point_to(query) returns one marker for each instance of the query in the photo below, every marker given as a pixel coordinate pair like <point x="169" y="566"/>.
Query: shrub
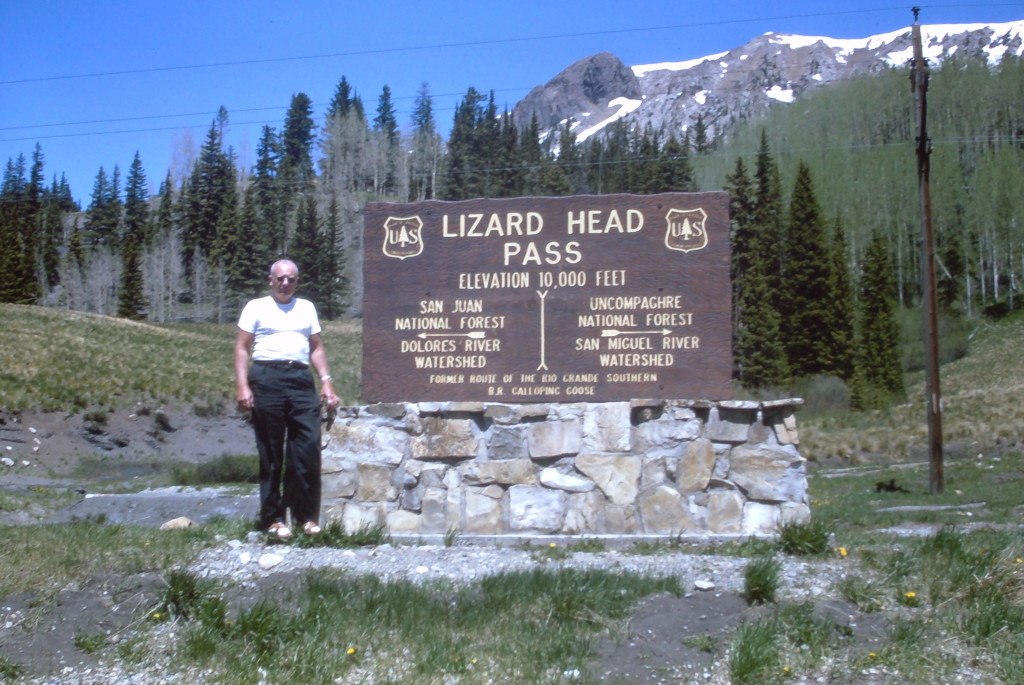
<point x="755" y="657"/>
<point x="224" y="469"/>
<point x="761" y="580"/>
<point x="822" y="394"/>
<point x="804" y="539"/>
<point x="188" y="597"/>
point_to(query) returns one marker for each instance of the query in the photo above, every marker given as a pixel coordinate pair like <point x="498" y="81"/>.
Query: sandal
<point x="280" y="531"/>
<point x="311" y="528"/>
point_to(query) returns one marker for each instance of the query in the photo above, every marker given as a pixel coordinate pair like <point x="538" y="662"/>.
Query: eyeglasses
<point x="286" y="279"/>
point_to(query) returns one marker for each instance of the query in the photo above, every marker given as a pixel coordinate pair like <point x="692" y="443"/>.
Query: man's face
<point x="283" y="281"/>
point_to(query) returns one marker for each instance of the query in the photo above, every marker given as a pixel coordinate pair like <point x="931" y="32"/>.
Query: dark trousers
<point x="286" y="418"/>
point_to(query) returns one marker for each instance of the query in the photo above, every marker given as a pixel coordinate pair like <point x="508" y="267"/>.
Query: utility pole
<point x="933" y="400"/>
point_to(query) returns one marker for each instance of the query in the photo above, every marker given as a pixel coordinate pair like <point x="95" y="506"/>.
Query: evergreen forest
<point x="824" y="203"/>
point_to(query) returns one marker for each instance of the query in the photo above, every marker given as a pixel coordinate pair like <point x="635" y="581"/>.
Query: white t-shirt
<point x="281" y="331"/>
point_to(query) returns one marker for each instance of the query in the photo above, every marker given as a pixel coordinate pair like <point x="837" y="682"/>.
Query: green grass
<point x="42" y="558"/>
<point x="980" y="404"/>
<point x="57" y="360"/>
<point x="761" y="580"/>
<point x="531" y="626"/>
<point x="228" y="469"/>
<point x="977" y="490"/>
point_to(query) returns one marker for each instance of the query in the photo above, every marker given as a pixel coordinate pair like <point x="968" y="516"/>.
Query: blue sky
<point x="94" y="82"/>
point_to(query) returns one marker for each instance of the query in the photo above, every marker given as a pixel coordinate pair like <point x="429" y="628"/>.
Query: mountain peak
<point x="742" y="83"/>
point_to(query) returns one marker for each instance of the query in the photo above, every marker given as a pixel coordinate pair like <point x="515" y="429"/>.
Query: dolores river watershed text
<point x="581" y="298"/>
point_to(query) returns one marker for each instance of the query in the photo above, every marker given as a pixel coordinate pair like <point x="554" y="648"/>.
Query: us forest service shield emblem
<point x="403" y="236"/>
<point x="686" y="231"/>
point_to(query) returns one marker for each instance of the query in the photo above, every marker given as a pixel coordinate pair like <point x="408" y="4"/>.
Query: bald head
<point x="276" y="267"/>
<point x="283" y="279"/>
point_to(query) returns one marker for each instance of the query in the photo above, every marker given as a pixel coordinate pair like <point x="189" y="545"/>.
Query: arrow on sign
<point x="476" y="335"/>
<point x="613" y="332"/>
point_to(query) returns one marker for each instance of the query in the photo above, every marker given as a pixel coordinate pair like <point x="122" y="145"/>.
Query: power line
<point x="146" y="117"/>
<point x="367" y="52"/>
<point x="440" y="46"/>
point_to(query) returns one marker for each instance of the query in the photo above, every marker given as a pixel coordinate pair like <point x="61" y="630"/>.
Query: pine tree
<point x="347" y="164"/>
<point x="531" y="156"/>
<point x="53" y="238"/>
<point x="307" y="250"/>
<point x="14" y="286"/>
<point x="76" y="250"/>
<point x="681" y="175"/>
<point x="385" y="122"/>
<point x="490" y="144"/>
<point x="700" y="135"/>
<point x="164" y="258"/>
<point x="842" y="310"/>
<point x="805" y="293"/>
<point x="768" y="216"/>
<point x="553" y="181"/>
<point x="741" y="241"/>
<point x="296" y="167"/>
<point x="570" y="160"/>
<point x="878" y="378"/>
<point x="163" y="222"/>
<point x="426" y="148"/>
<point x="335" y="291"/>
<point x="131" y="299"/>
<point x="268" y="202"/>
<point x="103" y="216"/>
<point x="511" y="173"/>
<point x="345" y="101"/>
<point x="247" y="277"/>
<point x="131" y="302"/>
<point x="210" y="200"/>
<point x="760" y="353"/>
<point x="136" y="201"/>
<point x="464" y="177"/>
<point x="33" y="223"/>
<point x="385" y="125"/>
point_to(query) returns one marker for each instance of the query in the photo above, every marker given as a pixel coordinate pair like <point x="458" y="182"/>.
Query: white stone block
<point x="554" y="439"/>
<point x="617" y="476"/>
<point x="553" y="478"/>
<point x="535" y="509"/>
<point x="606" y="427"/>
<point x="759" y="518"/>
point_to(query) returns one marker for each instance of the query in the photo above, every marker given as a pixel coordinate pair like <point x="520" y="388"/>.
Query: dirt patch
<point x="75" y="627"/>
<point x="126" y="449"/>
<point x="679" y="639"/>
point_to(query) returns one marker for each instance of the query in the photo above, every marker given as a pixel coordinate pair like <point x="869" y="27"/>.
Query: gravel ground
<point x="246" y="560"/>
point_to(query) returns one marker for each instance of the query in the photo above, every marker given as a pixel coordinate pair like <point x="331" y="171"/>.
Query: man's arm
<point x="318" y="358"/>
<point x="243" y="347"/>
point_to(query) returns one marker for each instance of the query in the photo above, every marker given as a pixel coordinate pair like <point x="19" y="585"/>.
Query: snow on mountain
<point x="741" y="83"/>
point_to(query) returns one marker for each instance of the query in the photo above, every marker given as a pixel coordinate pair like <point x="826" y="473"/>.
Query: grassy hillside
<point x="66" y="361"/>
<point x="980" y="404"/>
<point x="59" y="360"/>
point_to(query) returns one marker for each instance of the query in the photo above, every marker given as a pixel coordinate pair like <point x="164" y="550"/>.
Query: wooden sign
<point x="535" y="299"/>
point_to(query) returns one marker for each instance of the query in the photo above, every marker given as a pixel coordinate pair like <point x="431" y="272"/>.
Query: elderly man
<point x="281" y="333"/>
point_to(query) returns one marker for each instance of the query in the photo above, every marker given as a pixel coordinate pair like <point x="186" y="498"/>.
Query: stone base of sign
<point x="638" y="468"/>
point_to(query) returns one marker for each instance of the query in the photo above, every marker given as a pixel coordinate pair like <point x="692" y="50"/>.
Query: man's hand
<point x="244" y="399"/>
<point x="330" y="400"/>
